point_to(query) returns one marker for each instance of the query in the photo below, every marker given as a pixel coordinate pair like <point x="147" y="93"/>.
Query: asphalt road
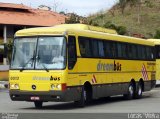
<point x="150" y="103"/>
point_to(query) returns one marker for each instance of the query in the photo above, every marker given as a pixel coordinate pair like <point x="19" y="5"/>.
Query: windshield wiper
<point x="45" y="67"/>
<point x="43" y="64"/>
<point x="31" y="59"/>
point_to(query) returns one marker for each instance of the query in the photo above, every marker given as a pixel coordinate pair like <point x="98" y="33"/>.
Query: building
<point x="14" y="17"/>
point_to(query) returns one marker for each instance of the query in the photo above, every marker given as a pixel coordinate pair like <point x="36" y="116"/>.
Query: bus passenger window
<point x="139" y="49"/>
<point x="94" y="47"/>
<point x="120" y="52"/>
<point x="82" y="48"/>
<point x="107" y="49"/>
<point x="85" y="47"/>
<point x="113" y="50"/>
<point x="101" y="48"/>
<point x="134" y="51"/>
<point x="157" y="51"/>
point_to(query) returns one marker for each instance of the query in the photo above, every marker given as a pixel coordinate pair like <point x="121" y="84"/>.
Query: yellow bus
<point x="157" y="52"/>
<point x="76" y="62"/>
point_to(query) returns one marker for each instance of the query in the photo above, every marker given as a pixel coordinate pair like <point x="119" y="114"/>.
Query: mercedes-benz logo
<point x="33" y="87"/>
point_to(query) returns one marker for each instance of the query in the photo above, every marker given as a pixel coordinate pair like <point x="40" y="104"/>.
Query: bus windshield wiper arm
<point x="45" y="67"/>
<point x="31" y="59"/>
<point x="43" y="64"/>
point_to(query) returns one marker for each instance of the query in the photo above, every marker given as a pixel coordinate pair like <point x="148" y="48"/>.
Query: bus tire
<point x="38" y="104"/>
<point x="82" y="101"/>
<point x="138" y="93"/>
<point x="131" y="92"/>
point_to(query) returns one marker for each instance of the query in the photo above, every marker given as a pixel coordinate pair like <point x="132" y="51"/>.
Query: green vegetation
<point x="157" y="35"/>
<point x="9" y="46"/>
<point x="120" y="29"/>
<point x="73" y="18"/>
<point x="131" y="17"/>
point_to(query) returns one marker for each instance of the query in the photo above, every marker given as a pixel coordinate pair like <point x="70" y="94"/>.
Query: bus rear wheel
<point x="38" y="104"/>
<point x="138" y="93"/>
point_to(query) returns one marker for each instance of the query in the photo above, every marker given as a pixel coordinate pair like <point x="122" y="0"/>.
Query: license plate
<point x="35" y="98"/>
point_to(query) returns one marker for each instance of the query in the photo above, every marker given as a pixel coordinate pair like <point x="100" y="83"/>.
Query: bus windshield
<point x="39" y="53"/>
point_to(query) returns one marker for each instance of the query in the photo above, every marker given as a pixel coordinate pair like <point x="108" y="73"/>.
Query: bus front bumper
<point x="59" y="96"/>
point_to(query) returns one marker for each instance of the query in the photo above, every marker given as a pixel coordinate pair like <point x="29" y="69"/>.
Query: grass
<point x="149" y="19"/>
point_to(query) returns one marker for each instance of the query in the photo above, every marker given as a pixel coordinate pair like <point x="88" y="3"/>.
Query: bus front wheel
<point x="83" y="99"/>
<point x="38" y="104"/>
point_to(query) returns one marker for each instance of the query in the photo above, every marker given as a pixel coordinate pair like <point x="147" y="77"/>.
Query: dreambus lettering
<point x="109" y="67"/>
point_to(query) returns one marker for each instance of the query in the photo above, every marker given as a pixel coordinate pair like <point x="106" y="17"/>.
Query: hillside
<point x="148" y="12"/>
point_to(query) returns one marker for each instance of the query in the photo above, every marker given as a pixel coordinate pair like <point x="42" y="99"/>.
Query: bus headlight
<point x="14" y="86"/>
<point x="55" y="86"/>
<point x="58" y="86"/>
<point x="52" y="86"/>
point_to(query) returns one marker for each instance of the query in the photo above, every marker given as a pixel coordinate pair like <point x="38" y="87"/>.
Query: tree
<point x="132" y="2"/>
<point x="95" y="24"/>
<point x="101" y="15"/>
<point x="138" y="4"/>
<point x="110" y="25"/>
<point x="84" y="20"/>
<point x="157" y="34"/>
<point x="122" y="4"/>
<point x="73" y="18"/>
<point x="120" y="29"/>
<point x="90" y="22"/>
<point x="8" y="50"/>
<point x="55" y="5"/>
<point x="112" y="10"/>
<point x="148" y="3"/>
<point x="62" y="12"/>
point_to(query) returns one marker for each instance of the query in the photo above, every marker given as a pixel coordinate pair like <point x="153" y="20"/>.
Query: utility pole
<point x="5" y="42"/>
<point x="55" y="5"/>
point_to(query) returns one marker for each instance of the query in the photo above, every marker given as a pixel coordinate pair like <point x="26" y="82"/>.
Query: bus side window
<point x="85" y="47"/>
<point x="72" y="52"/>
<point x="157" y="52"/>
<point x="101" y="48"/>
<point x="134" y="51"/>
<point x="153" y="53"/>
<point x="114" y="49"/>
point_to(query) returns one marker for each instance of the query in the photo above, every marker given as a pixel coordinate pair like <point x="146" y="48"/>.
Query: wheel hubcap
<point x="131" y="90"/>
<point x="140" y="90"/>
<point x="84" y="93"/>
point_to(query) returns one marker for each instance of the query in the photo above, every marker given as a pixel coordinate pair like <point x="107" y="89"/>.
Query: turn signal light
<point x="64" y="86"/>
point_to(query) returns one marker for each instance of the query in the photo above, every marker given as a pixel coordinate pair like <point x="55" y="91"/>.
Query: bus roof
<point x="155" y="41"/>
<point x="61" y="29"/>
<point x="82" y="30"/>
<point x="86" y="27"/>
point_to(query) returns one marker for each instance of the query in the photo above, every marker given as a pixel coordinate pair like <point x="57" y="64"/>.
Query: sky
<point x="81" y="7"/>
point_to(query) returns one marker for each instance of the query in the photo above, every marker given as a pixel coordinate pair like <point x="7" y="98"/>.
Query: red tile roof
<point x="11" y="5"/>
<point x="18" y="14"/>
